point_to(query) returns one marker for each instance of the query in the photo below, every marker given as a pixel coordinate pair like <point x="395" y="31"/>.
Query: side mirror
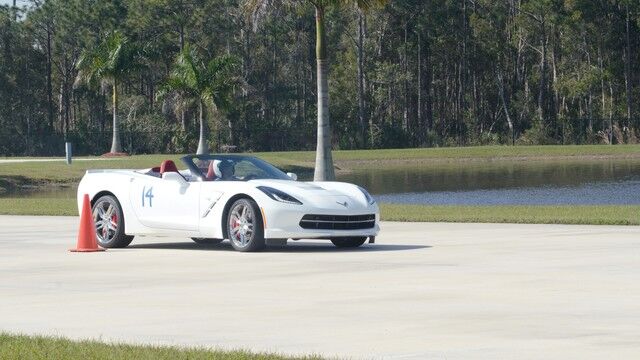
<point x="293" y="176"/>
<point x="174" y="176"/>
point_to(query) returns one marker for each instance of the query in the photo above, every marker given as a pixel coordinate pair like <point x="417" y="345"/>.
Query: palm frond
<point x="113" y="58"/>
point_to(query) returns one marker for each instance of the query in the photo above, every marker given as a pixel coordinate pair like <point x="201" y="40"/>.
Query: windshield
<point x="232" y="168"/>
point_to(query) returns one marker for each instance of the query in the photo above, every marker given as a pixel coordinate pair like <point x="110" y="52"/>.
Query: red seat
<point x="211" y="174"/>
<point x="168" y="166"/>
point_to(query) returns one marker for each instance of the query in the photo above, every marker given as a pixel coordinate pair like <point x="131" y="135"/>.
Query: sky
<point x="19" y="3"/>
<point x="10" y="2"/>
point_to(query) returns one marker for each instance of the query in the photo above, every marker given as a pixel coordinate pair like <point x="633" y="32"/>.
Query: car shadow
<point x="290" y="247"/>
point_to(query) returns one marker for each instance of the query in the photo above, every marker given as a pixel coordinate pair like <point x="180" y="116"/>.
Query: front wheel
<point x="349" y="242"/>
<point x="244" y="226"/>
<point x="109" y="220"/>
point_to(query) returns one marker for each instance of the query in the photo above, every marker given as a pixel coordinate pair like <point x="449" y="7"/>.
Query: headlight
<point x="370" y="199"/>
<point x="278" y="195"/>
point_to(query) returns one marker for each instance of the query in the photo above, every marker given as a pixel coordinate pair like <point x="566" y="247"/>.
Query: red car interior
<point x="168" y="166"/>
<point x="211" y="174"/>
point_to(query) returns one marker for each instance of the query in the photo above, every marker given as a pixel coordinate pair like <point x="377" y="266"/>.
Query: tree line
<point x="411" y="73"/>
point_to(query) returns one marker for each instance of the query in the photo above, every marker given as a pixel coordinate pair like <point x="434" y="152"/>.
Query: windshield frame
<point x="276" y="173"/>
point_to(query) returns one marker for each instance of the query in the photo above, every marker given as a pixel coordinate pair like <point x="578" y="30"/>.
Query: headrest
<point x="216" y="168"/>
<point x="218" y="165"/>
<point x="168" y="166"/>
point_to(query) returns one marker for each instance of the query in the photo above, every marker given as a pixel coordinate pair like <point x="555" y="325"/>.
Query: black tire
<point x="349" y="242"/>
<point x="100" y="211"/>
<point x="250" y="238"/>
<point x="205" y="241"/>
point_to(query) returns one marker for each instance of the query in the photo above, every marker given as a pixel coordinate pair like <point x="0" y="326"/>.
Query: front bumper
<point x="285" y="224"/>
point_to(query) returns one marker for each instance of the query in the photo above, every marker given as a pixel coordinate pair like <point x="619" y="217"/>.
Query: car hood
<point x="325" y="195"/>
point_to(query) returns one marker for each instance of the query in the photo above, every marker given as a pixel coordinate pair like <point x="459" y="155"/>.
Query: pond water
<point x="591" y="182"/>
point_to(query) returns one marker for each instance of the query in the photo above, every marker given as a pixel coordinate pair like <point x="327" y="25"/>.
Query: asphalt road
<point x="425" y="291"/>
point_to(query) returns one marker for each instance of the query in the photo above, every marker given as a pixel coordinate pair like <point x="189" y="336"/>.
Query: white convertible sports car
<point x="240" y="198"/>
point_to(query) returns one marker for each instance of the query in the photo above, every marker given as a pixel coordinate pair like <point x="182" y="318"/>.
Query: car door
<point x="166" y="203"/>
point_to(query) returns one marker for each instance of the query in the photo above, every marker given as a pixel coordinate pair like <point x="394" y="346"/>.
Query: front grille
<point x="338" y="222"/>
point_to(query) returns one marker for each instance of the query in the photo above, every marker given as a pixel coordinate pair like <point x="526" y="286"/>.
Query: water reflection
<point x="621" y="193"/>
<point x="492" y="183"/>
<point x="492" y="175"/>
<point x="49" y="192"/>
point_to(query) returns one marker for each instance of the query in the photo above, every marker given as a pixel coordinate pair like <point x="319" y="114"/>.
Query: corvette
<point x="217" y="197"/>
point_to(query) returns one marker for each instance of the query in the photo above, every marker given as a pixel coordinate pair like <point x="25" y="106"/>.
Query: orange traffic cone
<point x="87" y="239"/>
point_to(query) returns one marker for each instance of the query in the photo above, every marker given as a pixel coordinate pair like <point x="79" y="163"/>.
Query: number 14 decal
<point x="147" y="194"/>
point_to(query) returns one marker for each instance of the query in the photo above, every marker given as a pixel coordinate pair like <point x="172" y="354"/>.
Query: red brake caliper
<point x="235" y="226"/>
<point x="114" y="221"/>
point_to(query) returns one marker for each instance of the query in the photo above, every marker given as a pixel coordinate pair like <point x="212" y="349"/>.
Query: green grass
<point x="569" y="214"/>
<point x="38" y="206"/>
<point x="37" y="347"/>
<point x="566" y="214"/>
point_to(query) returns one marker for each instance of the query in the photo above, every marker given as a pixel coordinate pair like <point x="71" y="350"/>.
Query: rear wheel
<point x="205" y="241"/>
<point x="109" y="220"/>
<point x="349" y="242"/>
<point x="244" y="226"/>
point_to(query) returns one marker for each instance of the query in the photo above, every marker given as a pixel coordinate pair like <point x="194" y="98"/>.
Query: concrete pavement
<point x="424" y="291"/>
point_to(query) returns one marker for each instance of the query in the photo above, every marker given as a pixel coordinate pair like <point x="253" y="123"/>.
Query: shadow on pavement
<point x="290" y="247"/>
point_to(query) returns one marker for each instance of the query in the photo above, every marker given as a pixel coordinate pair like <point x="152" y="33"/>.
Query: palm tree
<point x="108" y="64"/>
<point x="324" y="161"/>
<point x="203" y="84"/>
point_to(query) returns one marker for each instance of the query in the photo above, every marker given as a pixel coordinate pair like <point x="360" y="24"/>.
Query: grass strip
<point x="38" y="206"/>
<point x="39" y="347"/>
<point x="524" y="214"/>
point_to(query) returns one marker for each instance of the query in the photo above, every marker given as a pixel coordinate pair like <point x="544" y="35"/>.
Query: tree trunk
<point x="428" y="84"/>
<point x="324" y="162"/>
<point x="361" y="110"/>
<point x="203" y="147"/>
<point x="246" y="61"/>
<point x="63" y="128"/>
<point x="181" y="32"/>
<point x="405" y="70"/>
<point x="610" y="113"/>
<point x="542" y="91"/>
<point x="232" y="132"/>
<point x="49" y="81"/>
<point x="601" y="67"/>
<point x="298" y="77"/>
<point x="505" y="107"/>
<point x="462" y="107"/>
<point x="419" y="107"/>
<point x="627" y="69"/>
<point x="115" y="142"/>
<point x="589" y="92"/>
